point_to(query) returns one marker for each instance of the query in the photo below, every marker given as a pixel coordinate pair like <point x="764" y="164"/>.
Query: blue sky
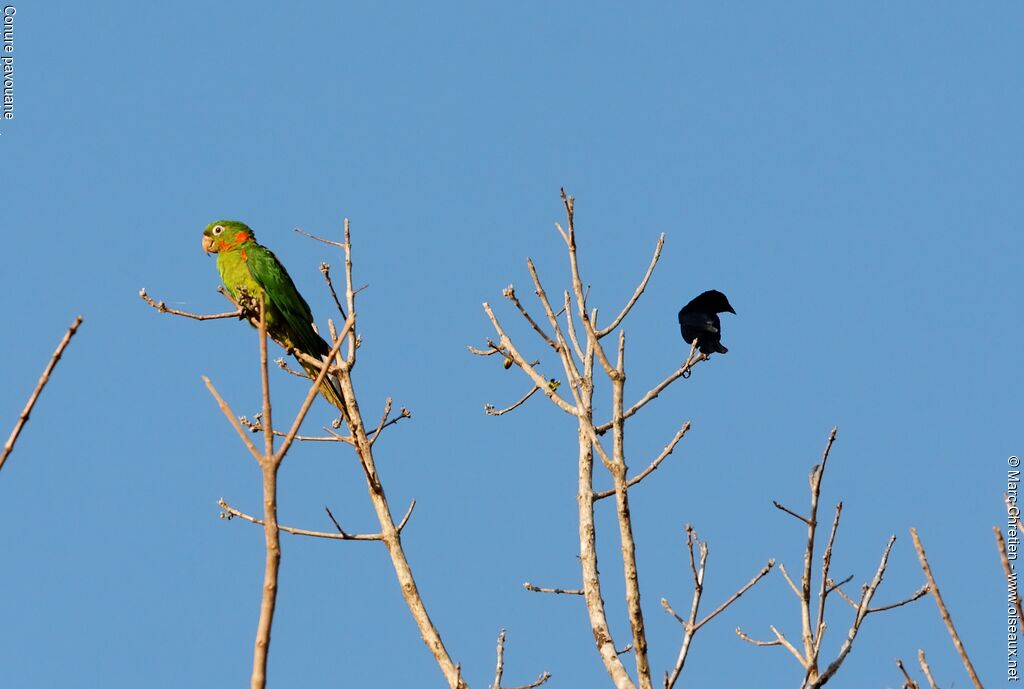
<point x="849" y="174"/>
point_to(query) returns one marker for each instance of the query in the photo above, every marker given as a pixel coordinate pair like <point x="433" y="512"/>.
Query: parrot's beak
<point x="207" y="244"/>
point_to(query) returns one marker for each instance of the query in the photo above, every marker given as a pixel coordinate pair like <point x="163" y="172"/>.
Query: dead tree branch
<point x="691" y="625"/>
<point x="943" y="611"/>
<point x="812" y="632"/>
<point x="909" y="682"/>
<point x="926" y="669"/>
<point x="43" y="380"/>
<point x="163" y="308"/>
<point x="539" y="589"/>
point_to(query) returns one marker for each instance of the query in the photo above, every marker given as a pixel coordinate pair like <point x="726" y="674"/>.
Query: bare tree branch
<point x="863" y="610"/>
<point x="732" y="599"/>
<point x="790" y="512"/>
<point x="520" y="361"/>
<point x="653" y="393"/>
<point x="230" y="512"/>
<point x="909" y="683"/>
<point x="926" y="670"/>
<point x="257" y="427"/>
<point x="812" y="634"/>
<point x="789" y="580"/>
<point x="740" y="633"/>
<point x="691" y="625"/>
<point x="163" y="308"/>
<point x="538" y="589"/>
<point x="325" y="268"/>
<point x="43" y="380"/>
<point x="650" y="467"/>
<point x="639" y="290"/>
<point x="233" y="420"/>
<point x="920" y="593"/>
<point x="788" y="646"/>
<point x="500" y="668"/>
<point x="490" y="410"/>
<point x="510" y="294"/>
<point x="1004" y="558"/>
<point x="339" y="245"/>
<point x="826" y="562"/>
<point x="943" y="611"/>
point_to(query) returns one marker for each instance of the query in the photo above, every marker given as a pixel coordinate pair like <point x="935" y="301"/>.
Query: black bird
<point x="699" y="320"/>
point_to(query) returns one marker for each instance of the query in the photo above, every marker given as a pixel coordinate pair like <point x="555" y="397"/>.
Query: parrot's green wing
<point x="284" y="298"/>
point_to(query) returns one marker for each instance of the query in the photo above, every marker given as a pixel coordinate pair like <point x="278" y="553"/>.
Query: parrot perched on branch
<point x="248" y="268"/>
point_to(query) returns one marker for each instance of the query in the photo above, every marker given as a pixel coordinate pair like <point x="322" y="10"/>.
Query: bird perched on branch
<point x="699" y="321"/>
<point x="249" y="270"/>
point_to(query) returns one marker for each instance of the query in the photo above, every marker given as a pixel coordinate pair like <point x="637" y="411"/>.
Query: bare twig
<point x="544" y="677"/>
<point x="863" y="610"/>
<point x="650" y="467"/>
<point x="691" y="625"/>
<point x="43" y="380"/>
<point x="539" y="589"/>
<point x="405" y="519"/>
<point x="490" y="409"/>
<point x="788" y="646"/>
<point x="790" y="512"/>
<point x="510" y="294"/>
<point x="325" y="268"/>
<point x="283" y="365"/>
<point x="909" y="683"/>
<point x="789" y="580"/>
<point x="233" y="420"/>
<point x="812" y="634"/>
<point x="163" y="308"/>
<point x="826" y="562"/>
<point x="639" y="289"/>
<point x="655" y="391"/>
<point x="383" y="421"/>
<point x="834" y="585"/>
<point x="740" y="633"/>
<point x="257" y="427"/>
<point x="499" y="667"/>
<point x="1004" y="558"/>
<point x="732" y="599"/>
<point x="925" y="669"/>
<point x="943" y="611"/>
<point x="920" y="593"/>
<point x="537" y="378"/>
<point x="320" y="239"/>
<point x="230" y="512"/>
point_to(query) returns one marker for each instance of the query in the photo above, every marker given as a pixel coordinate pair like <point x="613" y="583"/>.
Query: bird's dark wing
<point x="699" y="322"/>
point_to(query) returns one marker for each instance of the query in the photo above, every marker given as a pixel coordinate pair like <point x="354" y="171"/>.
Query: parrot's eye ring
<point x="218" y="229"/>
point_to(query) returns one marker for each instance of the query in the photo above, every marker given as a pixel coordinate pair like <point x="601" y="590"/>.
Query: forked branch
<point x="813" y="633"/>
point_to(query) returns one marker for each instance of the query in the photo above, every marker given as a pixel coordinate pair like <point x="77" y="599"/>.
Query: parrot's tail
<point x="330" y="388"/>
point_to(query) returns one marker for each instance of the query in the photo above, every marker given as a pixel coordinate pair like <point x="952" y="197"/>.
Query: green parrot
<point x="245" y="265"/>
